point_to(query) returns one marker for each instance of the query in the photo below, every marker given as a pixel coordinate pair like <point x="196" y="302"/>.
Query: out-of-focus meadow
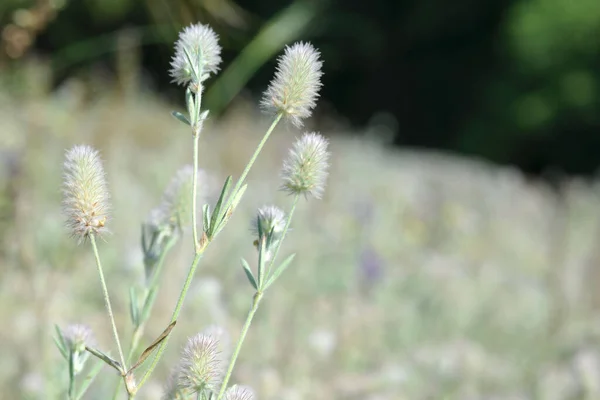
<point x="419" y="275"/>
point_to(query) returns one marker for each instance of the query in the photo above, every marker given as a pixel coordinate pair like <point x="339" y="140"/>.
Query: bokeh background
<point x="455" y="254"/>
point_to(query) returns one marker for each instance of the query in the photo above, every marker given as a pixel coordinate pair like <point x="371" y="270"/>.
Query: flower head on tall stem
<point x="197" y="54"/>
<point x="85" y="192"/>
<point x="295" y="89"/>
<point x="305" y="169"/>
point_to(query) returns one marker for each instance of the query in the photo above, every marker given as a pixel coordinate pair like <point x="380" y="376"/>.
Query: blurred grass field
<point x="418" y="276"/>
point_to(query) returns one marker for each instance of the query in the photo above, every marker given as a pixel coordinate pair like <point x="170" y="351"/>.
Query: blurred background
<point x="455" y="254"/>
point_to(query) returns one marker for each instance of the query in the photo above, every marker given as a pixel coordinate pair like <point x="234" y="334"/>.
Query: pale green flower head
<point x="201" y="367"/>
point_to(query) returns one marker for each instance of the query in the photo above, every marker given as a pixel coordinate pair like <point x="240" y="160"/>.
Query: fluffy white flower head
<point x="197" y="54"/>
<point x="295" y="89"/>
<point x="305" y="169"/>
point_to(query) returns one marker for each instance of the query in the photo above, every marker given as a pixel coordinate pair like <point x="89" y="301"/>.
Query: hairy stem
<point x="238" y="347"/>
<point x="107" y="301"/>
<point x="195" y="192"/>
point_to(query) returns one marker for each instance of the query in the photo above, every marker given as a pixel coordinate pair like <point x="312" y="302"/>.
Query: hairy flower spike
<point x="237" y="392"/>
<point x="85" y="193"/>
<point x="305" y="169"/>
<point x="294" y="90"/>
<point x="202" y="45"/>
<point x="201" y="366"/>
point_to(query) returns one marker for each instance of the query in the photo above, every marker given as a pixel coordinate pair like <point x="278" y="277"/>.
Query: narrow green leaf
<point x="61" y="343"/>
<point x="190" y="101"/>
<point x="282" y="267"/>
<point x="248" y="272"/>
<point x="105" y="357"/>
<point x="192" y="63"/>
<point x="203" y="115"/>
<point x="219" y="204"/>
<point x="237" y="197"/>
<point x="89" y="379"/>
<point x="261" y="262"/>
<point x="206" y="218"/>
<point x="181" y="117"/>
<point x="148" y="304"/>
<point x="133" y="307"/>
<point x="153" y="346"/>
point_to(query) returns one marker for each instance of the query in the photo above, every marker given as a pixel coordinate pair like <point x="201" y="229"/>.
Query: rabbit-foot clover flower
<point x="295" y="89"/>
<point x="85" y="192"/>
<point x="76" y="337"/>
<point x="237" y="392"/>
<point x="203" y="56"/>
<point x="201" y="367"/>
<point x="305" y="169"/>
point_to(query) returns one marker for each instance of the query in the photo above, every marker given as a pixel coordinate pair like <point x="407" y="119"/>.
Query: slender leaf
<point x="261" y="262"/>
<point x="153" y="346"/>
<point x="219" y="204"/>
<point x="134" y="312"/>
<point x="190" y="101"/>
<point x="248" y="272"/>
<point x="61" y="343"/>
<point x="206" y="217"/>
<point x="148" y="304"/>
<point x="237" y="197"/>
<point x="282" y="267"/>
<point x="181" y="117"/>
<point x="106" y="358"/>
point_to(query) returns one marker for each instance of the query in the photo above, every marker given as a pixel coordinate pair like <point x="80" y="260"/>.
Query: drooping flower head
<point x="197" y="55"/>
<point x="85" y="193"/>
<point x="295" y="89"/>
<point x="305" y="169"/>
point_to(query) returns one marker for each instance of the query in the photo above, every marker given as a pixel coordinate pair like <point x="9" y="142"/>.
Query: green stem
<point x="195" y="192"/>
<point x="71" y="376"/>
<point x="107" y="301"/>
<point x="257" y="298"/>
<point x="240" y="181"/>
<point x="285" y="230"/>
<point x="176" y="312"/>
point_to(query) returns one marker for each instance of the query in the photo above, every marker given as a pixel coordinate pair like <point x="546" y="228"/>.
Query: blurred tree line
<point x="514" y="81"/>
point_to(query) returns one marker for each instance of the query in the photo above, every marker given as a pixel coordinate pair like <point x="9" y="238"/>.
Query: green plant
<point x="292" y="95"/>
